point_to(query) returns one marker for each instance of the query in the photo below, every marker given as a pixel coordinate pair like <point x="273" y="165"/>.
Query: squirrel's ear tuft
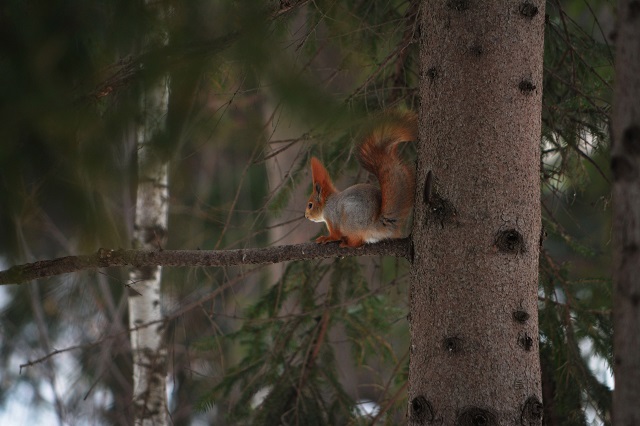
<point x="321" y="181"/>
<point x="318" y="172"/>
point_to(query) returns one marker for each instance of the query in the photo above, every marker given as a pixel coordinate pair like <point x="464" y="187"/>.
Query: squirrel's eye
<point x="310" y="206"/>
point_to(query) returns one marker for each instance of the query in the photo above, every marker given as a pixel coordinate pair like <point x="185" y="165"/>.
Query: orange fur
<point x="379" y="155"/>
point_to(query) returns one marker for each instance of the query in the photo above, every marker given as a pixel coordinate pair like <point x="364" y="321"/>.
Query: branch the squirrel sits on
<point x="364" y="213"/>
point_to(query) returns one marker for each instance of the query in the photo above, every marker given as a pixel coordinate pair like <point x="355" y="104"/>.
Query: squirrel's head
<point x="321" y="189"/>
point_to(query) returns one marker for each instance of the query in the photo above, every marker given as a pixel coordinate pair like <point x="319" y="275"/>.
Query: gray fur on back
<point x="355" y="204"/>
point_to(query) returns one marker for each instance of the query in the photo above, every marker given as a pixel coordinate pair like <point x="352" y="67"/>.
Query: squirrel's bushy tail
<point x="378" y="154"/>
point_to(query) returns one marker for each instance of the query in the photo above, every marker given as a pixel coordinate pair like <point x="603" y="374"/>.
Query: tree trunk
<point x="149" y="232"/>
<point x="473" y="297"/>
<point x="147" y="341"/>
<point x="625" y="165"/>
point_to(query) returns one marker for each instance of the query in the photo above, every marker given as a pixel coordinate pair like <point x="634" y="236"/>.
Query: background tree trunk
<point x="625" y="165"/>
<point x="473" y="296"/>
<point x="147" y="341"/>
<point x="148" y="344"/>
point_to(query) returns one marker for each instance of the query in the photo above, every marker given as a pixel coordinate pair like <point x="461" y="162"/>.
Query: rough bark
<point x="473" y="297"/>
<point x="625" y="165"/>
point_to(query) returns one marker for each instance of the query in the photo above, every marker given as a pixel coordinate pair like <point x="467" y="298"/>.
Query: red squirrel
<point x="364" y="213"/>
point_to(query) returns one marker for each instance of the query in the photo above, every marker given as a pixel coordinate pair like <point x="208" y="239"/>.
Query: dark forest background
<point x="256" y="89"/>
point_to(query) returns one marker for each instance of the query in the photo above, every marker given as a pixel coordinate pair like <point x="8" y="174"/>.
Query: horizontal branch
<point x="106" y="258"/>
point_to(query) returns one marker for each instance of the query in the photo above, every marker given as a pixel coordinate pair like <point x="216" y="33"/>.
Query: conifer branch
<point x="107" y="258"/>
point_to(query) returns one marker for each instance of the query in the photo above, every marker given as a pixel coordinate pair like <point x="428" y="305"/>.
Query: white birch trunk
<point x="147" y="341"/>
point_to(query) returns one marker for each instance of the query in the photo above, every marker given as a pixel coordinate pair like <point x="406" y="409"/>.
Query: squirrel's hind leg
<point x="327" y="239"/>
<point x="352" y="241"/>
